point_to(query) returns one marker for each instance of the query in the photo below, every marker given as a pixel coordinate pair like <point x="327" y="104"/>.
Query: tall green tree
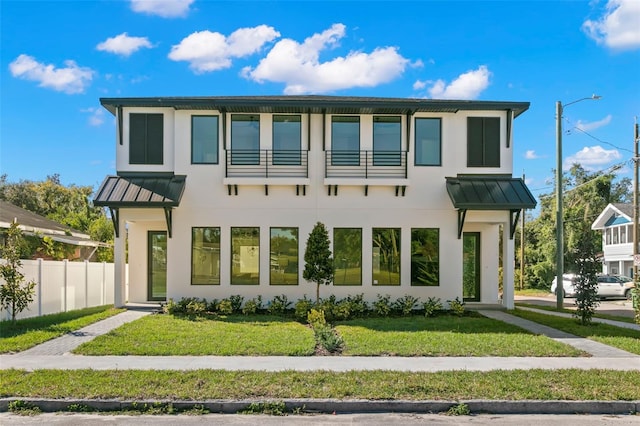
<point x="15" y="293"/>
<point x="318" y="266"/>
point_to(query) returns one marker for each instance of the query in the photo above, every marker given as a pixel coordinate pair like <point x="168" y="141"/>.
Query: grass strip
<point x="29" y="332"/>
<point x="572" y="311"/>
<point x="534" y="292"/>
<point x="569" y="384"/>
<point x="232" y="335"/>
<point x="621" y="338"/>
<point x="471" y="335"/>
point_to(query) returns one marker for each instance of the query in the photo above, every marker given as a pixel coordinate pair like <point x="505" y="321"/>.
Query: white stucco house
<point x="616" y="224"/>
<point x="216" y="196"/>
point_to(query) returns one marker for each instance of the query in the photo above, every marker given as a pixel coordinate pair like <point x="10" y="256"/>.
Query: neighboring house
<point x="616" y="224"/>
<point x="39" y="226"/>
<point x="216" y="196"/>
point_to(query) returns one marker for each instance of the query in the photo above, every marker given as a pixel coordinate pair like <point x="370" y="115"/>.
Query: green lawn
<point x="29" y="332"/>
<point x="232" y="335"/>
<point x="537" y="292"/>
<point x="215" y="384"/>
<point x="445" y="336"/>
<point x="622" y="338"/>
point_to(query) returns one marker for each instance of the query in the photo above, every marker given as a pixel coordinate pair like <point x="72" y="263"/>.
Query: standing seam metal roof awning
<point x="141" y="191"/>
<point x="489" y="193"/>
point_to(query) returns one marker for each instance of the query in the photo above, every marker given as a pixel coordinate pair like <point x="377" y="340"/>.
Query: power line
<point x="575" y="126"/>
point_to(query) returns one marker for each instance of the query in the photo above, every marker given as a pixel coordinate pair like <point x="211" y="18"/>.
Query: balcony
<point x="266" y="164"/>
<point x="366" y="164"/>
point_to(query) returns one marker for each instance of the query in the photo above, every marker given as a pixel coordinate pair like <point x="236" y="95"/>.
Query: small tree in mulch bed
<point x="318" y="266"/>
<point x="15" y="294"/>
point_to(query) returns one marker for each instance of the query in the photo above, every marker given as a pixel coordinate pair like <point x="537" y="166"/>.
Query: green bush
<point x="358" y="307"/>
<point x="225" y="307"/>
<point x="329" y="306"/>
<point x="191" y="306"/>
<point x="302" y="308"/>
<point x="212" y="307"/>
<point x="431" y="306"/>
<point x="405" y="305"/>
<point x="316" y="318"/>
<point x="279" y="305"/>
<point x="236" y="303"/>
<point x="382" y="306"/>
<point x="456" y="307"/>
<point x="328" y="338"/>
<point x="252" y="306"/>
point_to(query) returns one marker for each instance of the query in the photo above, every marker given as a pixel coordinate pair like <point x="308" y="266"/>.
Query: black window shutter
<point x="155" y="132"/>
<point x="475" y="154"/>
<point x="137" y="138"/>
<point x="492" y="142"/>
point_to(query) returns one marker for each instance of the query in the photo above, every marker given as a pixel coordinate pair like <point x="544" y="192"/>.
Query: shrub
<point x="341" y="310"/>
<point x="225" y="307"/>
<point x="302" y="308"/>
<point x="328" y="338"/>
<point x="358" y="307"/>
<point x="279" y="305"/>
<point x="252" y="306"/>
<point x="456" y="307"/>
<point x="405" y="305"/>
<point x="236" y="303"/>
<point x="382" y="306"/>
<point x="212" y="307"/>
<point x="315" y="318"/>
<point x="329" y="306"/>
<point x="191" y="306"/>
<point x="431" y="306"/>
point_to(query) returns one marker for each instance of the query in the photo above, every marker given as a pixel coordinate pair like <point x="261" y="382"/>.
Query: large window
<point x="245" y="256"/>
<point x="345" y="141"/>
<point x="428" y="142"/>
<point x="347" y="256"/>
<point x="245" y="139"/>
<point x="286" y="139"/>
<point x="386" y="256"/>
<point x="205" y="256"/>
<point x="425" y="257"/>
<point x="387" y="141"/>
<point x="483" y="142"/>
<point x="283" y="256"/>
<point x="204" y="139"/>
<point x="146" y="138"/>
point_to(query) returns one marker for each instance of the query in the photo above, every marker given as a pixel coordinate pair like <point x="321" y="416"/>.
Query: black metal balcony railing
<point x="366" y="164"/>
<point x="266" y="163"/>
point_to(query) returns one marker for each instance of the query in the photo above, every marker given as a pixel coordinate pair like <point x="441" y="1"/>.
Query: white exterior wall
<point x="206" y="203"/>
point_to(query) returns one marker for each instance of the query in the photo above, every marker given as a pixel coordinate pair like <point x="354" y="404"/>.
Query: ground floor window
<point x="245" y="258"/>
<point x="386" y="256"/>
<point x="425" y="258"/>
<point x="205" y="256"/>
<point x="283" y="256"/>
<point x="347" y="256"/>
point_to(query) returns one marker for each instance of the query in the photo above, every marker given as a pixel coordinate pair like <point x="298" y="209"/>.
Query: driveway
<point x="618" y="307"/>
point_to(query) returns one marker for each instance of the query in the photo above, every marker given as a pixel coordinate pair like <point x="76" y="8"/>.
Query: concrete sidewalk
<point x="55" y="354"/>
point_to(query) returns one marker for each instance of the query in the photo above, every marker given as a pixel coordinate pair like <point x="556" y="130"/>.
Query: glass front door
<point x="157" y="261"/>
<point x="471" y="266"/>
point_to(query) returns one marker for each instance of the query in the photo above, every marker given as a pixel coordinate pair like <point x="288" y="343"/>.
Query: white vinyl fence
<point x="64" y="286"/>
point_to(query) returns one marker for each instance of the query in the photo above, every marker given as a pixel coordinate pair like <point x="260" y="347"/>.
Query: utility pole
<point x="522" y="246"/>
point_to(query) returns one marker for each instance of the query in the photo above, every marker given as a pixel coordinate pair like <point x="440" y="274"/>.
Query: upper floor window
<point x="204" y="139"/>
<point x="483" y="142"/>
<point x="245" y="139"/>
<point x="428" y="142"/>
<point x="146" y="138"/>
<point x="287" y="133"/>
<point x="387" y="144"/>
<point x="345" y="141"/>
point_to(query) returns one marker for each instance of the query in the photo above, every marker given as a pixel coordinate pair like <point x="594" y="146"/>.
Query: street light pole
<point x="559" y="202"/>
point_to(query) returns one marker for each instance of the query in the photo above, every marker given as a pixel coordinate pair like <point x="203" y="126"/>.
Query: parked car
<point x="608" y="285"/>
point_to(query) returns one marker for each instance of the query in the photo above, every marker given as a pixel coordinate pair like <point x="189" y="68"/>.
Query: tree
<point x="15" y="294"/>
<point x="318" y="266"/>
<point x="586" y="284"/>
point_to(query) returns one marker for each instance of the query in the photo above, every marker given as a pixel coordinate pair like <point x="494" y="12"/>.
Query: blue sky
<point x="58" y="58"/>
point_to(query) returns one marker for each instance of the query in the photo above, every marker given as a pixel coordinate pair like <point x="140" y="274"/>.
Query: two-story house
<point x="216" y="196"/>
<point x="616" y="224"/>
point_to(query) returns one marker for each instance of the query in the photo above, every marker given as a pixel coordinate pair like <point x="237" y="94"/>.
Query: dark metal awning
<point x="149" y="190"/>
<point x="490" y="192"/>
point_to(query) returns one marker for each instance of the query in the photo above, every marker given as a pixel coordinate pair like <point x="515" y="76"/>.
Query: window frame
<point x="193" y="230"/>
<point x="479" y="150"/>
<point x="147" y="141"/>
<point x="242" y="156"/>
<point x="387" y="157"/>
<point x="217" y="141"/>
<point x="415" y="283"/>
<point x="399" y="258"/>
<point x="360" y="283"/>
<point x="271" y="229"/>
<point x="231" y="277"/>
<point x="346" y="157"/>
<point x="415" y="142"/>
<point x="286" y="157"/>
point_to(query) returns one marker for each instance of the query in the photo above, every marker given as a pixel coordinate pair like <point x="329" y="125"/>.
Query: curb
<point x="348" y="406"/>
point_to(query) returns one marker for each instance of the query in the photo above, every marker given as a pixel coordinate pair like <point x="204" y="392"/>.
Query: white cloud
<point x="208" y="51"/>
<point x="619" y="27"/>
<point x="592" y="158"/>
<point x="531" y="155"/>
<point x="467" y="86"/>
<point x="586" y="126"/>
<point x="298" y="65"/>
<point x="419" y="85"/>
<point x="70" y="79"/>
<point x="162" y="8"/>
<point x="96" y="117"/>
<point x="123" y="44"/>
